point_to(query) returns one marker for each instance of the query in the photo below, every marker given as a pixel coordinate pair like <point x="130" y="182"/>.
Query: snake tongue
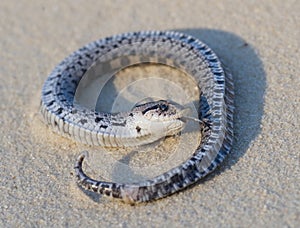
<point x="183" y="113"/>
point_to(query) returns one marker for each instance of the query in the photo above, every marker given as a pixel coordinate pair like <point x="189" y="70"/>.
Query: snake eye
<point x="163" y="107"/>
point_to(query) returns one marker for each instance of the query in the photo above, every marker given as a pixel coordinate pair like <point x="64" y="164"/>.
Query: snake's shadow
<point x="250" y="84"/>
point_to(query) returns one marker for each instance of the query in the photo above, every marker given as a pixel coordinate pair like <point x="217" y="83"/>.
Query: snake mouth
<point x="182" y="119"/>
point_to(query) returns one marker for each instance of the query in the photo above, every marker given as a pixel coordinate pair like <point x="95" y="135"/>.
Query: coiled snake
<point x="147" y="122"/>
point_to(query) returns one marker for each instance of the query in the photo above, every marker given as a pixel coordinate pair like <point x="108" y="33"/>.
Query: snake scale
<point x="105" y="129"/>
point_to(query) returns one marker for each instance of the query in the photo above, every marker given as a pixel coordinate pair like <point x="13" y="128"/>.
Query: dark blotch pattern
<point x="138" y="129"/>
<point x="98" y="119"/>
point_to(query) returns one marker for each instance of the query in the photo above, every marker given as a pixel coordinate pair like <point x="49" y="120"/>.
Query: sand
<point x="257" y="185"/>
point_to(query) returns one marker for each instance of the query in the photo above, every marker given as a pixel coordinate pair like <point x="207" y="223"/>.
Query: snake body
<point x="105" y="129"/>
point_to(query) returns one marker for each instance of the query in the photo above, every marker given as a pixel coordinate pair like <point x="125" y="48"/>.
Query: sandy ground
<point x="257" y="185"/>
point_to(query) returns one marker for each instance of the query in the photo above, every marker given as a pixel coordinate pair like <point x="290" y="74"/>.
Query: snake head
<point x="160" y="118"/>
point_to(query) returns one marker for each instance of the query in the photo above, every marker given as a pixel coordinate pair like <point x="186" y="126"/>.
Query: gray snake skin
<point x="94" y="128"/>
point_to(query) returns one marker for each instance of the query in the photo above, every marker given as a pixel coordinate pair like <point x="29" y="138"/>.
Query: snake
<point x="149" y="121"/>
